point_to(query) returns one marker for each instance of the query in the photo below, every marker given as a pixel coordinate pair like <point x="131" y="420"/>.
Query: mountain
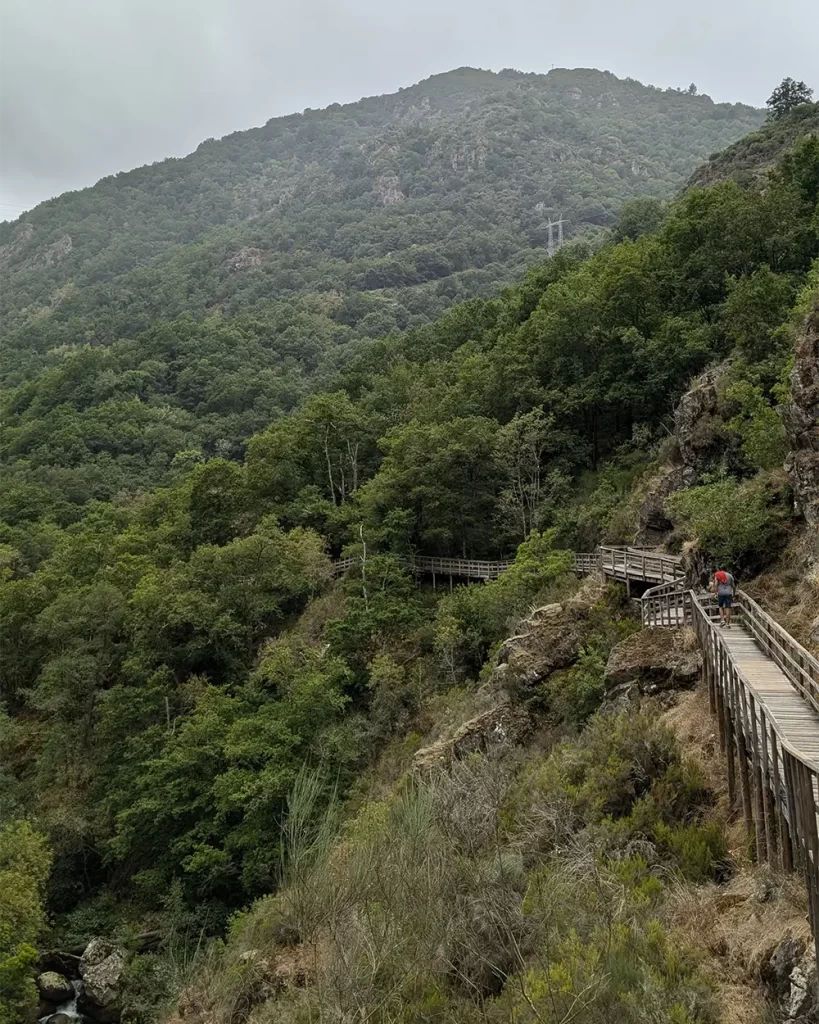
<point x="183" y="306"/>
<point x="458" y="173"/>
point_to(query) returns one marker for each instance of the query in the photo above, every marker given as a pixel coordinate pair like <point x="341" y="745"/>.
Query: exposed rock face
<point x="776" y="970"/>
<point x="697" y="425"/>
<point x="802" y="1005"/>
<point x="653" y="660"/>
<point x="57" y="251"/>
<point x="801" y="416"/>
<point x="551" y="637"/>
<point x="55" y="988"/>
<point x="653" y="522"/>
<point x="245" y="258"/>
<point x="388" y="189"/>
<point x="101" y="969"/>
<point x="22" y="256"/>
<point x="491" y="732"/>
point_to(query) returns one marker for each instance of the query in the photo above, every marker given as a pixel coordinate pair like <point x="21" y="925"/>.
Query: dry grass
<point x="790" y="590"/>
<point x="696" y="729"/>
<point x="736" y="925"/>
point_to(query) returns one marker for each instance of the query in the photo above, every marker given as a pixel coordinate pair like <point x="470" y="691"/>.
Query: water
<point x="69" y="1007"/>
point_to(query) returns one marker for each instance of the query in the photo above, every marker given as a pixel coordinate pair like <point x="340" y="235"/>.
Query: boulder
<point x="492" y="732"/>
<point x="653" y="660"/>
<point x="777" y="968"/>
<point x="55" y="988"/>
<point x="61" y="1018"/>
<point x="551" y="637"/>
<point x="802" y="1005"/>
<point x="101" y="969"/>
<point x="801" y="418"/>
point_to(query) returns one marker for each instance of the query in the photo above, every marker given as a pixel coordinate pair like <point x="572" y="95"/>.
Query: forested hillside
<point x="198" y="299"/>
<point x="183" y="675"/>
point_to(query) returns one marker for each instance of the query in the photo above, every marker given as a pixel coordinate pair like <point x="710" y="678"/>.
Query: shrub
<point x="735" y="524"/>
<point x="757" y="424"/>
<point x="471" y="619"/>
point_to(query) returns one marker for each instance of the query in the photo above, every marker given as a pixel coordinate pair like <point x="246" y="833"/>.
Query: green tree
<point x="787" y="95"/>
<point x="25" y="861"/>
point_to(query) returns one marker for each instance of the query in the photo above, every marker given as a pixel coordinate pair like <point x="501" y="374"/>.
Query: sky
<point x="92" y="87"/>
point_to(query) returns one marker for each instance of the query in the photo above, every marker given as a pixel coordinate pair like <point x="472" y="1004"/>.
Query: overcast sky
<point x="90" y="87"/>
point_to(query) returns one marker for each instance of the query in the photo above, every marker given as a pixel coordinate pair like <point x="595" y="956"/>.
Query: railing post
<point x="759" y="799"/>
<point x="742" y="751"/>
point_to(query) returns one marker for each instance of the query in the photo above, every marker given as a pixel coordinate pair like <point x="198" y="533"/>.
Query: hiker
<point x="724" y="592"/>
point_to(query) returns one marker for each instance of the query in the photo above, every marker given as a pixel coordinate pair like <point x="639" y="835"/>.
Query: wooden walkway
<point x="624" y="564"/>
<point x="763" y="689"/>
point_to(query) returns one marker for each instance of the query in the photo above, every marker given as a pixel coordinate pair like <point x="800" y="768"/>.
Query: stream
<point x="68" y="1009"/>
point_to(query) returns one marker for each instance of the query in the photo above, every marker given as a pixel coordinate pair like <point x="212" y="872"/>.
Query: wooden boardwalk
<point x="623" y="564"/>
<point x="763" y="689"/>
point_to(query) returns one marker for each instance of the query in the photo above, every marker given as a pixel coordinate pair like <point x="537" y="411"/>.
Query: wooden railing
<point x="462" y="568"/>
<point x="621" y="563"/>
<point x="799" y="665"/>
<point x="778" y="784"/>
<point x="636" y="564"/>
<point x="668" y="604"/>
<point x="585" y="562"/>
<point x="466" y="568"/>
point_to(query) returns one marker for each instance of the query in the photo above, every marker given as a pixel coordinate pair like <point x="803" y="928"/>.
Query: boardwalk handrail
<point x="798" y="664"/>
<point x="778" y="781"/>
<point x="667" y="604"/>
<point x="466" y="568"/>
<point x="622" y="563"/>
<point x="470" y="568"/>
<point x="639" y="564"/>
<point x="779" y="784"/>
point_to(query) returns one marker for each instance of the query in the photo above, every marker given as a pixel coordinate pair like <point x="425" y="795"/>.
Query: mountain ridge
<point x="505" y="151"/>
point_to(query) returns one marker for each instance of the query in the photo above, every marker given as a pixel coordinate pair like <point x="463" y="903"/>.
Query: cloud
<point x="90" y="87"/>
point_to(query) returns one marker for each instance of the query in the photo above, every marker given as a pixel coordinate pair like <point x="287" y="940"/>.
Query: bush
<point x="757" y="424"/>
<point x="471" y="619"/>
<point x="735" y="524"/>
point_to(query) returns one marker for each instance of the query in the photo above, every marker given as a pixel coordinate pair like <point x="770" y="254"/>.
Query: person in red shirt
<point x="724" y="592"/>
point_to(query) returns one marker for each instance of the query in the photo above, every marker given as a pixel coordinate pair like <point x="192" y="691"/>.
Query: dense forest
<point x="217" y="290"/>
<point x="190" y="441"/>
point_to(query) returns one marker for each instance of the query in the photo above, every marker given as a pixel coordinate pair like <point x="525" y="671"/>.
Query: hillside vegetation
<point x="198" y="715"/>
<point x="200" y="298"/>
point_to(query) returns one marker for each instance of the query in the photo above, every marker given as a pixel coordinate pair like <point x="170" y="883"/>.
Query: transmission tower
<point x="551" y="248"/>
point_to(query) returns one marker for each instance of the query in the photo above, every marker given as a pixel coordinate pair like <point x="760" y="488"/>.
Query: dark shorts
<point x="725" y="600"/>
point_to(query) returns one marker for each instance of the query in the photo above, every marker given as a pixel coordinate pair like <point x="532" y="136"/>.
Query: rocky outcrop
<point x="653" y="660"/>
<point x="789" y="977"/>
<point x="101" y="969"/>
<point x="653" y="524"/>
<point x="20" y="255"/>
<point x="801" y="418"/>
<point x="246" y="258"/>
<point x="698" y="427"/>
<point x="550" y="638"/>
<point x="388" y="190"/>
<point x="492" y="732"/>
